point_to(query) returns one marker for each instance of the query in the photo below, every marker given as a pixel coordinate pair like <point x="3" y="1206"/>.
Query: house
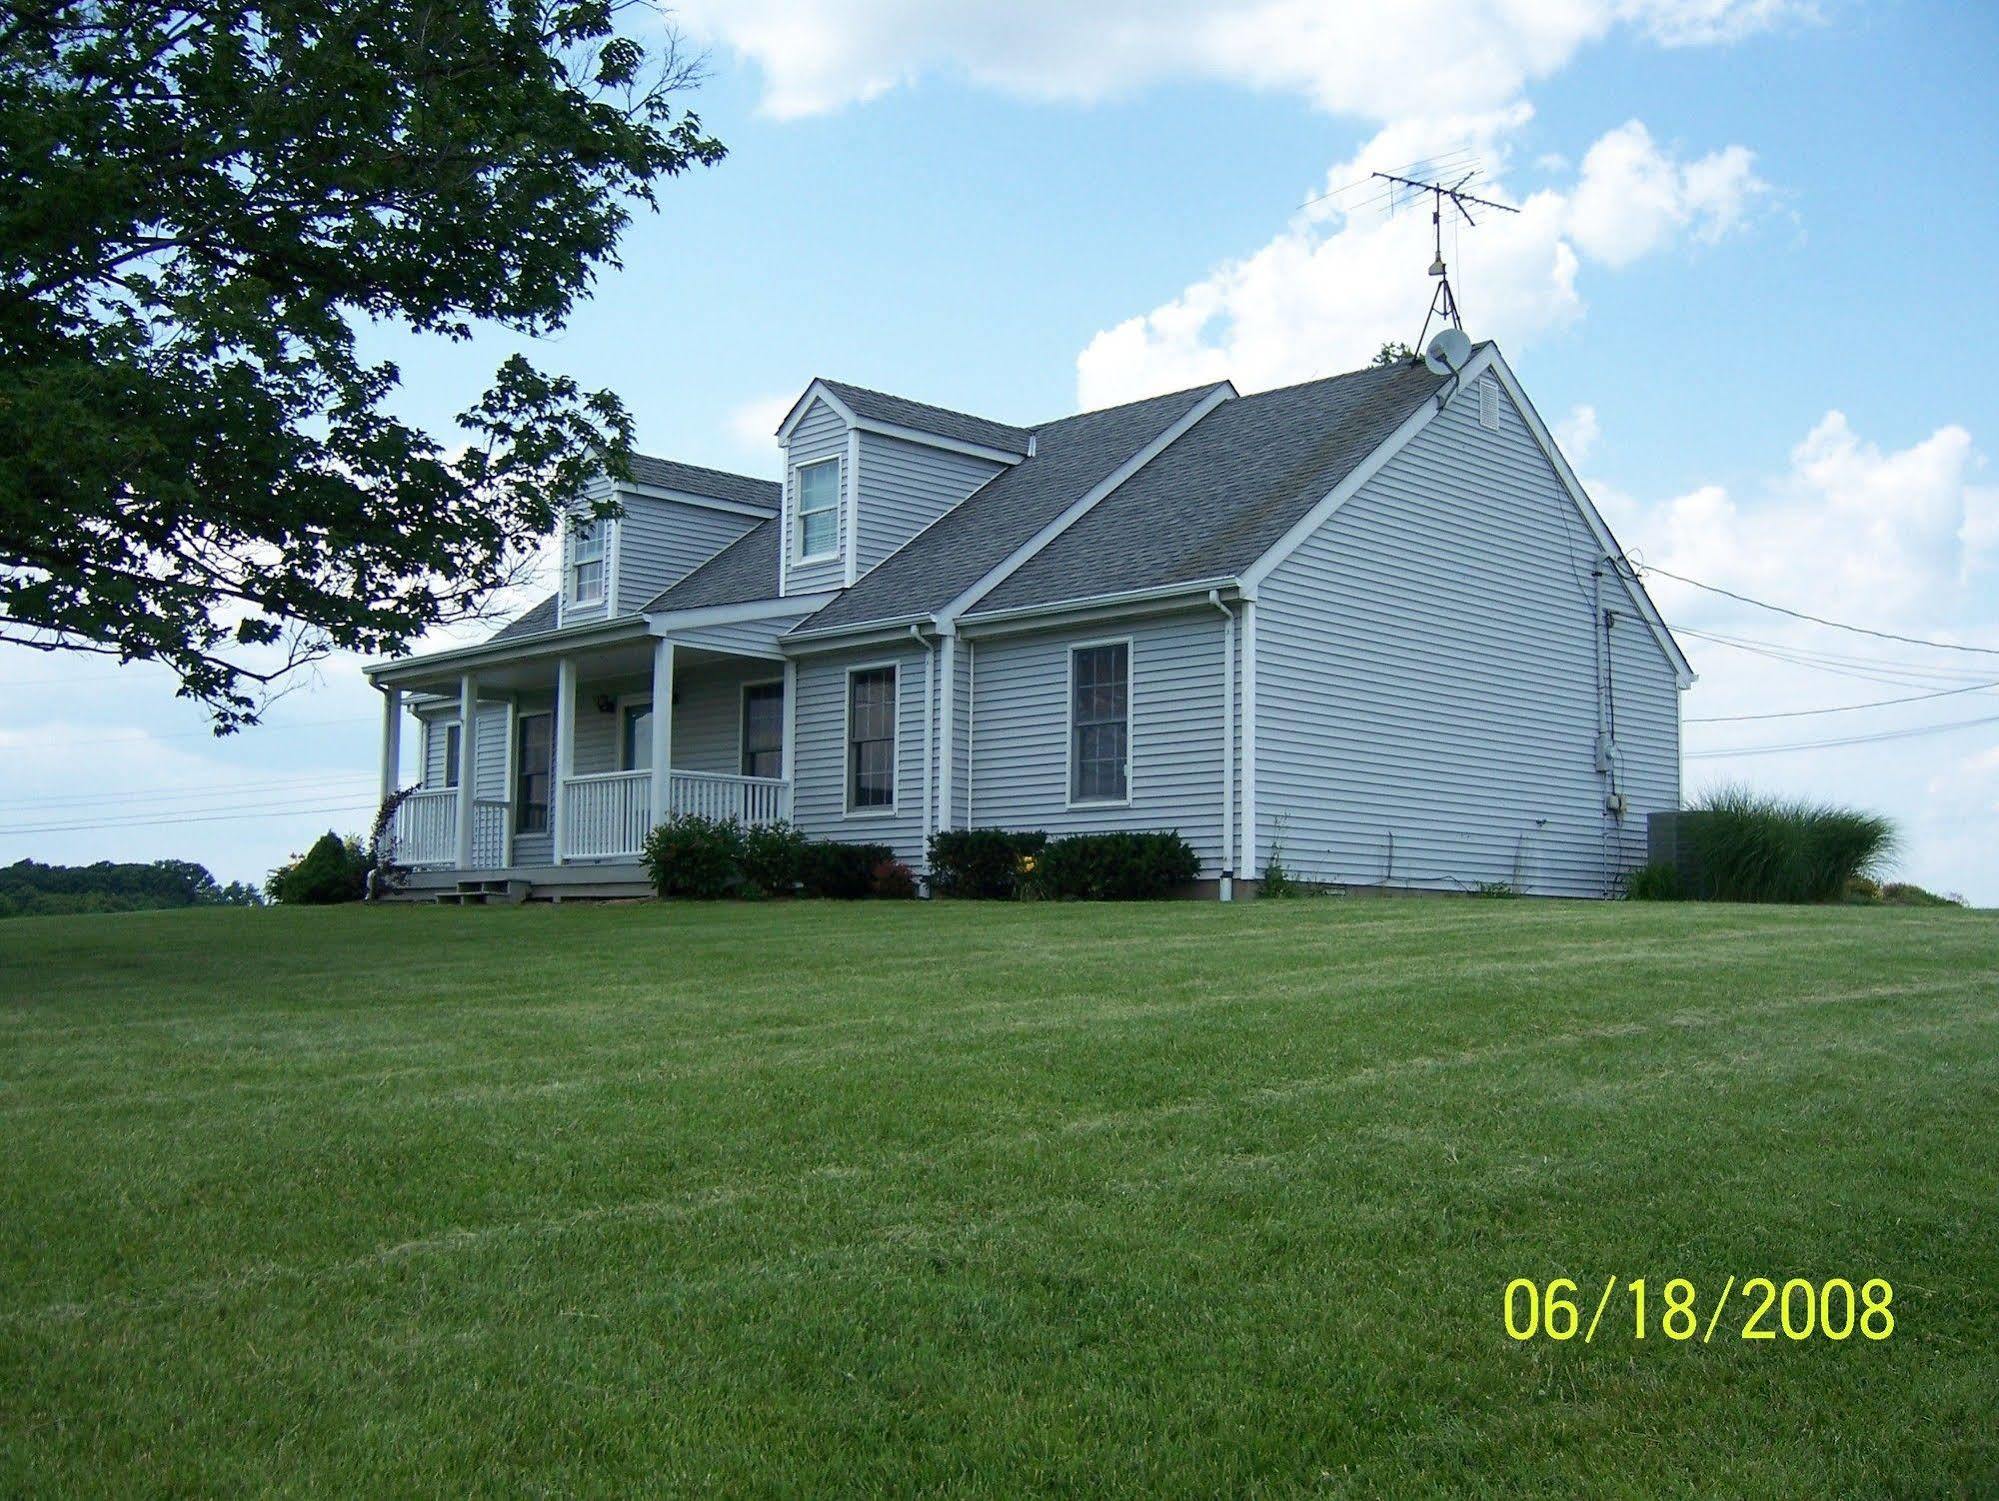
<point x="1369" y="627"/>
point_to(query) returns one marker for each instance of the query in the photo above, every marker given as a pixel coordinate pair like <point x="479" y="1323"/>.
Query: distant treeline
<point x="29" y="888"/>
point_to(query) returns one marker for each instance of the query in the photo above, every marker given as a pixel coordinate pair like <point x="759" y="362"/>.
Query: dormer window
<point x="817" y="532"/>
<point x="586" y="561"/>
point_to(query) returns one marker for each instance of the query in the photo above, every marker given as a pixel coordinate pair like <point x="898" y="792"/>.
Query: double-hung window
<point x="534" y="750"/>
<point x="1100" y="723"/>
<point x="871" y="739"/>
<point x="818" y="533"/>
<point x="763" y="730"/>
<point x="586" y="560"/>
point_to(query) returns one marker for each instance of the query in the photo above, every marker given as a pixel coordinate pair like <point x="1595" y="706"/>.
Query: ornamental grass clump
<point x="1747" y="847"/>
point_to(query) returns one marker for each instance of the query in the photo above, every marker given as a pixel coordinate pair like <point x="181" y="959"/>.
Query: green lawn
<point x="820" y="1198"/>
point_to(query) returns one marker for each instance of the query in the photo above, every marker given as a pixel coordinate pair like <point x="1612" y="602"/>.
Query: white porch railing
<point x="605" y="814"/>
<point x="608" y="814"/>
<point x="749" y="800"/>
<point x="426" y="829"/>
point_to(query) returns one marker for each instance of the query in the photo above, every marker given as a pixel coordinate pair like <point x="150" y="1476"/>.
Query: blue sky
<point x="1749" y="290"/>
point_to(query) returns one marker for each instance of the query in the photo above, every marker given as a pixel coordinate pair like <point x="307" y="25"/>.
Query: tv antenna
<point x="1444" y="302"/>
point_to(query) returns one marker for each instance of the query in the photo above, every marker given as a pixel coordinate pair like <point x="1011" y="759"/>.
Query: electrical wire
<point x="329" y="782"/>
<point x="1801" y="745"/>
<point x="153" y="823"/>
<point x="1879" y="703"/>
<point x="1839" y="625"/>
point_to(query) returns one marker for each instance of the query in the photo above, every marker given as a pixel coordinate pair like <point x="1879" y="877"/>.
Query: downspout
<point x="1228" y="746"/>
<point x="929" y="739"/>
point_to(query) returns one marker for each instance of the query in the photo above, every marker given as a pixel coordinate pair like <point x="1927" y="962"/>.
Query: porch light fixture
<point x="606" y="703"/>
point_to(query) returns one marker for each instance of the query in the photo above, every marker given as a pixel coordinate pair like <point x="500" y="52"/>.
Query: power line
<point x="328" y="782"/>
<point x="1909" y="734"/>
<point x="1892" y="674"/>
<point x="152" y="823"/>
<point x="1879" y="703"/>
<point x="1838" y="625"/>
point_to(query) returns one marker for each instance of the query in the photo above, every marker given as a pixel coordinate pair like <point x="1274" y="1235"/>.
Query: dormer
<point x="673" y="518"/>
<point x="864" y="472"/>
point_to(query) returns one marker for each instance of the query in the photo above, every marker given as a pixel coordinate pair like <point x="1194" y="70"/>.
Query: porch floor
<point x="596" y="881"/>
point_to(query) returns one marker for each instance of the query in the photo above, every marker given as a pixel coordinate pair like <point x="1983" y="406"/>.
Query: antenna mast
<point x="1444" y="303"/>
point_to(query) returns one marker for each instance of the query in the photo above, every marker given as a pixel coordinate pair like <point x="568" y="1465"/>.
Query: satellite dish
<point x="1447" y="352"/>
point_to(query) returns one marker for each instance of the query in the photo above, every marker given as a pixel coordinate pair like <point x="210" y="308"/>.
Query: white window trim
<point x="847" y="808"/>
<point x="630" y="701"/>
<point x="1069" y="798"/>
<point x="605" y="579"/>
<point x="743" y="715"/>
<point x="801" y="558"/>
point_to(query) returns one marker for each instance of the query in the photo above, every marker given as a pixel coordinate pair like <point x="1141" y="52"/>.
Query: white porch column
<point x="662" y="730"/>
<point x="468" y="762"/>
<point x="565" y="751"/>
<point x="788" y="756"/>
<point x="392" y="741"/>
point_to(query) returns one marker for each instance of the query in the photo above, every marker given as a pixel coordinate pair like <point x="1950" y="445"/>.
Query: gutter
<point x="1194" y="591"/>
<point x="535" y="644"/>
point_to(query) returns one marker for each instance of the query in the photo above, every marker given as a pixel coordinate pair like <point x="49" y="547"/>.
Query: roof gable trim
<point x="695" y="498"/>
<point x="803" y="405"/>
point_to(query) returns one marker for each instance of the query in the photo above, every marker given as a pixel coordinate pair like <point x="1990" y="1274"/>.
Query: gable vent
<point x="1488" y="403"/>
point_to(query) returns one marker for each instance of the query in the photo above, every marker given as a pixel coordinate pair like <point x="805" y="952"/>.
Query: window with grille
<point x="586" y="561"/>
<point x="871" y="739"/>
<point x="818" y="510"/>
<point x="1100" y="723"/>
<point x="763" y="730"/>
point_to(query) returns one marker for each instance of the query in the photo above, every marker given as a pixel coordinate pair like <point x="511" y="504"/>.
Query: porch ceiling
<point x="624" y="659"/>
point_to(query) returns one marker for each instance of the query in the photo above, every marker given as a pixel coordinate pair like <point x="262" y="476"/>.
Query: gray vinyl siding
<point x="660" y="542"/>
<point x="708" y="719"/>
<point x="1020" y="732"/>
<point x="1426" y="702"/>
<point x="962" y="805"/>
<point x="820" y="434"/>
<point x="820" y="765"/>
<point x="758" y="637"/>
<point x="906" y="486"/>
<point x="491" y="750"/>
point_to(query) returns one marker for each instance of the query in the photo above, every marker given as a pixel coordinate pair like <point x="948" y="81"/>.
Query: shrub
<point x="981" y="862"/>
<point x="1906" y="894"/>
<point x="1657" y="882"/>
<point x="692" y="856"/>
<point x="1113" y="867"/>
<point x="1751" y="848"/>
<point x="891" y="878"/>
<point x="845" y="871"/>
<point x="772" y="856"/>
<point x="1278" y="881"/>
<point x="333" y="870"/>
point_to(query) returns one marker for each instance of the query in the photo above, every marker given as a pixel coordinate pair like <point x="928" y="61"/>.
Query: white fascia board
<point x="1682" y="669"/>
<point x="1366" y="470"/>
<point x="666" y="621"/>
<point x="933" y="440"/>
<point x="804" y="403"/>
<point x="1082" y="505"/>
<point x="842" y="639"/>
<point x="539" y="644"/>
<point x="705" y="502"/>
<point x="1100" y="607"/>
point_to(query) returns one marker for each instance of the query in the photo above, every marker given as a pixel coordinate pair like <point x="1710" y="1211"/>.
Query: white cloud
<point x="1328" y="290"/>
<point x="1576" y="434"/>
<point x="753" y="424"/>
<point x="1346" y="56"/>
<point x="1887" y="538"/>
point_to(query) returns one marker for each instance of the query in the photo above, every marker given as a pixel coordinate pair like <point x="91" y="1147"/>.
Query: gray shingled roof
<point x="879" y="406"/>
<point x="1225" y="492"/>
<point x="956" y="550"/>
<point x="743" y="571"/>
<point x="667" y="474"/>
<point x="529" y="622"/>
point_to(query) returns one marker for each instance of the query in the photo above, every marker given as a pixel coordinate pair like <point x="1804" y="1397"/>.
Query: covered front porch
<point x="552" y="763"/>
